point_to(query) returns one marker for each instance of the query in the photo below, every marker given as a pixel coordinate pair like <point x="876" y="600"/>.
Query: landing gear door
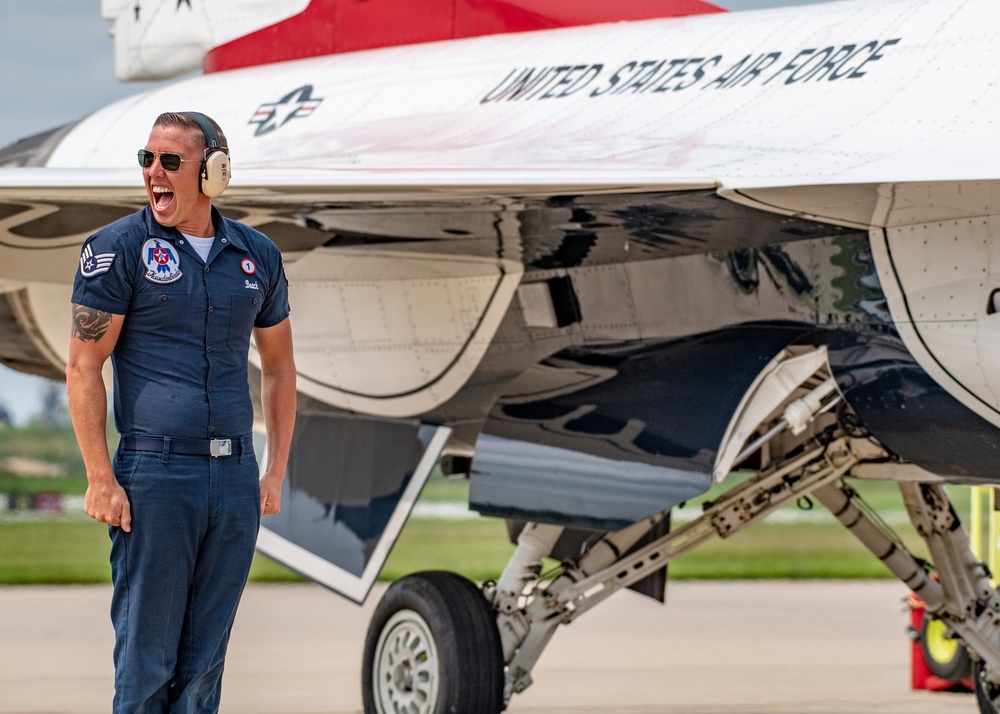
<point x="988" y="319"/>
<point x="940" y="307"/>
<point x="351" y="484"/>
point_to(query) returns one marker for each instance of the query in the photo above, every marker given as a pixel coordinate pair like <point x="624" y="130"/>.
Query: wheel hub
<point x="407" y="666"/>
<point x="402" y="678"/>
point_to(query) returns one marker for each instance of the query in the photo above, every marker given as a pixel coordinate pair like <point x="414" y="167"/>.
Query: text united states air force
<point x="655" y="76"/>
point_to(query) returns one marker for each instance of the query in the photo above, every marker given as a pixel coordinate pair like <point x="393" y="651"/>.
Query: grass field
<point x="59" y="552"/>
<point x="75" y="549"/>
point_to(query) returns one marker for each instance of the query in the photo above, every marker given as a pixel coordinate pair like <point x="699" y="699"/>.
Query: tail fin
<point x="159" y="39"/>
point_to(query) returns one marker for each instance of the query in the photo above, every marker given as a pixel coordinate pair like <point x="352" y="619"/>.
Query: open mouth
<point x="162" y="197"/>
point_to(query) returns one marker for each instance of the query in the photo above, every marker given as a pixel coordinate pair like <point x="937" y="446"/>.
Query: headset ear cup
<point x="215" y="173"/>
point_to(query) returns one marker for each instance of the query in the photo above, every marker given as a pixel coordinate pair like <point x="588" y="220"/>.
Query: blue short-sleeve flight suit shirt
<point x="180" y="363"/>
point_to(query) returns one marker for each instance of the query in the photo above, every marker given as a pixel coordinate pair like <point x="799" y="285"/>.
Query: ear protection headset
<point x="215" y="169"/>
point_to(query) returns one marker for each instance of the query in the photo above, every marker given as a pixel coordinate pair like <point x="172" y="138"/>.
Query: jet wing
<point x="460" y="228"/>
<point x="54" y="209"/>
<point x="307" y="185"/>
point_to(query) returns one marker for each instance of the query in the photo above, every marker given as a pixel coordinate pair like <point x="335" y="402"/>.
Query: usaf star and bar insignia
<point x="297" y="104"/>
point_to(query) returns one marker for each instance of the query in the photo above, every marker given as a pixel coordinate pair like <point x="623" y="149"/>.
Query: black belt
<point x="189" y="447"/>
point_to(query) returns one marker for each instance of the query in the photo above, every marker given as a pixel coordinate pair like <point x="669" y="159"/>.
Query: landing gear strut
<point x="437" y="644"/>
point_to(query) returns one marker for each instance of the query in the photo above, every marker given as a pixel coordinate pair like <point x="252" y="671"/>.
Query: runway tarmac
<point x="716" y="648"/>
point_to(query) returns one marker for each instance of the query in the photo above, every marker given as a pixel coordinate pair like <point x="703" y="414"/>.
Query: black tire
<point x="987" y="695"/>
<point x="433" y="648"/>
<point x="946" y="658"/>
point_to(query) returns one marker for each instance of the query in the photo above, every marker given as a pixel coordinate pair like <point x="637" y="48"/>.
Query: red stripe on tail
<point x="334" y="26"/>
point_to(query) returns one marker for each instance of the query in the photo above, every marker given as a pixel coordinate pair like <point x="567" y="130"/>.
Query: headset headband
<point x="211" y="135"/>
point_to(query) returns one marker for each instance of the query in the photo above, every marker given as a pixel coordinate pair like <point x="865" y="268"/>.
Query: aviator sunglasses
<point x="169" y="162"/>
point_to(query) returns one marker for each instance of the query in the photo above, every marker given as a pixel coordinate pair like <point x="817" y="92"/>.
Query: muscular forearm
<point x="278" y="396"/>
<point x="94" y="336"/>
<point x="277" y="367"/>
<point x="105" y="500"/>
<point x="88" y="406"/>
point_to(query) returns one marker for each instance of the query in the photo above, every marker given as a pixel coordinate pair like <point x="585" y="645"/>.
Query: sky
<point x="56" y="66"/>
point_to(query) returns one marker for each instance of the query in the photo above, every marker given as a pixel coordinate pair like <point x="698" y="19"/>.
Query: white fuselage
<point x="845" y="92"/>
<point x="875" y="115"/>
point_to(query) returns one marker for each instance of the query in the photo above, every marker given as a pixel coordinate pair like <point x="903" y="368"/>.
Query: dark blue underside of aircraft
<point x="642" y="435"/>
<point x="645" y="438"/>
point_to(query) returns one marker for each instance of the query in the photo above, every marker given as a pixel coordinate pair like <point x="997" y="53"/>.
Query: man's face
<point x="174" y="195"/>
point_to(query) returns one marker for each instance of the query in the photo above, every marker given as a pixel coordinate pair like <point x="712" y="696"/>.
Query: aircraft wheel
<point x="433" y="648"/>
<point x="946" y="657"/>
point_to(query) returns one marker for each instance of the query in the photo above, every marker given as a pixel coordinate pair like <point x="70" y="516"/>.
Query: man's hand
<point x="106" y="502"/>
<point x="270" y="495"/>
<point x="277" y="387"/>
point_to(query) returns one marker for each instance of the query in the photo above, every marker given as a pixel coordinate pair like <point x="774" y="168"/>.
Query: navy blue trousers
<point x="178" y="576"/>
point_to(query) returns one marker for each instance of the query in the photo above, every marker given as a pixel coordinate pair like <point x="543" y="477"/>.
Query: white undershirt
<point x="202" y="245"/>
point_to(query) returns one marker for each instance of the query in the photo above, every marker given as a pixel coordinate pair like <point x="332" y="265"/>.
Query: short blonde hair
<point x="186" y="121"/>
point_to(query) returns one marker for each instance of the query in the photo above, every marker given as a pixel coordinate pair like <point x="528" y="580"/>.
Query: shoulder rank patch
<point x="163" y="262"/>
<point x="91" y="265"/>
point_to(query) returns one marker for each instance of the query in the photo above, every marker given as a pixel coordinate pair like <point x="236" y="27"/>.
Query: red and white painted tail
<point x="160" y="39"/>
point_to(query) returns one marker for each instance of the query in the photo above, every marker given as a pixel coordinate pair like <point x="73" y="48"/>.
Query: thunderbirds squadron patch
<point x="163" y="263"/>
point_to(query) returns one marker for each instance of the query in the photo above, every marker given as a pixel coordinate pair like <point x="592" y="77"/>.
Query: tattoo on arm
<point x="90" y="325"/>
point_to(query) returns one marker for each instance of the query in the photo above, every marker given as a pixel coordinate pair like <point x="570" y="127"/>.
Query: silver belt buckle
<point x="220" y="447"/>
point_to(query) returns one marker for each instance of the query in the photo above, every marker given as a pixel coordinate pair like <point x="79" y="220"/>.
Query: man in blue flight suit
<point x="172" y="294"/>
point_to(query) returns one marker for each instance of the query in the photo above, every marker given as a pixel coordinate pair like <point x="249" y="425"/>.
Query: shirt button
<point x="211" y="429"/>
<point x="209" y="349"/>
<point x="209" y="389"/>
<point x="163" y="297"/>
<point x="211" y="309"/>
<point x="206" y="268"/>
